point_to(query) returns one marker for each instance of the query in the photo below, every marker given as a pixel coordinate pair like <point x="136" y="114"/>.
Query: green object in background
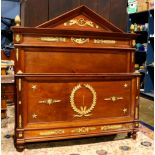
<point x="132" y="6"/>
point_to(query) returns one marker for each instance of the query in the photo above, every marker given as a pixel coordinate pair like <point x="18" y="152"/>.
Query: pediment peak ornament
<point x="81" y="22"/>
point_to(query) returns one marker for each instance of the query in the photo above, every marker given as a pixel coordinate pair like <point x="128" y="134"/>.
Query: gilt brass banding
<point x="20" y="121"/>
<point x="19" y="85"/>
<point x="17" y="53"/>
<point x="136" y="113"/>
<point x="83" y="129"/>
<point x="53" y="39"/>
<point x="49" y="101"/>
<point x="80" y="40"/>
<point x="113" y="98"/>
<point x="101" y="41"/>
<point x="52" y="132"/>
<point x="111" y="127"/>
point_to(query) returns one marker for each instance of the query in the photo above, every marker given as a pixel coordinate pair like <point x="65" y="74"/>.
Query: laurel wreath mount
<point x="83" y="110"/>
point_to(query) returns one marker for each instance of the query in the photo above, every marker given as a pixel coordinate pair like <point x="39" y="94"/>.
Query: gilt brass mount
<point x="83" y="110"/>
<point x="83" y="129"/>
<point x="49" y="101"/>
<point x="110" y="127"/>
<point x="52" y="132"/>
<point x="113" y="98"/>
<point x="80" y="40"/>
<point x="81" y="22"/>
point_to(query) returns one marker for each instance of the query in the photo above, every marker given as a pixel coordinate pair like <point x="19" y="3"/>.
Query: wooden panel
<point x="106" y="94"/>
<point x="34" y="12"/>
<point x="118" y="14"/>
<point x="58" y="7"/>
<point x="83" y="61"/>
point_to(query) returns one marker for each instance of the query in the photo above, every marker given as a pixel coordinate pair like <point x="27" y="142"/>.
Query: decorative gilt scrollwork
<point x="81" y="22"/>
<point x="113" y="98"/>
<point x="53" y="39"/>
<point x="80" y="40"/>
<point x="49" y="101"/>
<point x="83" y="129"/>
<point x="52" y="132"/>
<point x="83" y="111"/>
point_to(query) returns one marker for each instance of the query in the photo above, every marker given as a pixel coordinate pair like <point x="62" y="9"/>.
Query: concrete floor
<point x="146" y="111"/>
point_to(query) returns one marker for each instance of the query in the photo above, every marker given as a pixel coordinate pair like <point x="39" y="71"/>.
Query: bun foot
<point x="20" y="147"/>
<point x="134" y="135"/>
<point x="129" y="134"/>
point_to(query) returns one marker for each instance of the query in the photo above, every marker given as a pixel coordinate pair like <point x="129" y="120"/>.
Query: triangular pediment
<point x="81" y="18"/>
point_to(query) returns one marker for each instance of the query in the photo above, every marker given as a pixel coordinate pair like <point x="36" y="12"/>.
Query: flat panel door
<point x="65" y="101"/>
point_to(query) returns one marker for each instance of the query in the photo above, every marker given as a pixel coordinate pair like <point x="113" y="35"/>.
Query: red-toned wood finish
<point x="74" y="78"/>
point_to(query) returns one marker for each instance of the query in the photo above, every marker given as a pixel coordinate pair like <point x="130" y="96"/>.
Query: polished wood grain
<point x="74" y="80"/>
